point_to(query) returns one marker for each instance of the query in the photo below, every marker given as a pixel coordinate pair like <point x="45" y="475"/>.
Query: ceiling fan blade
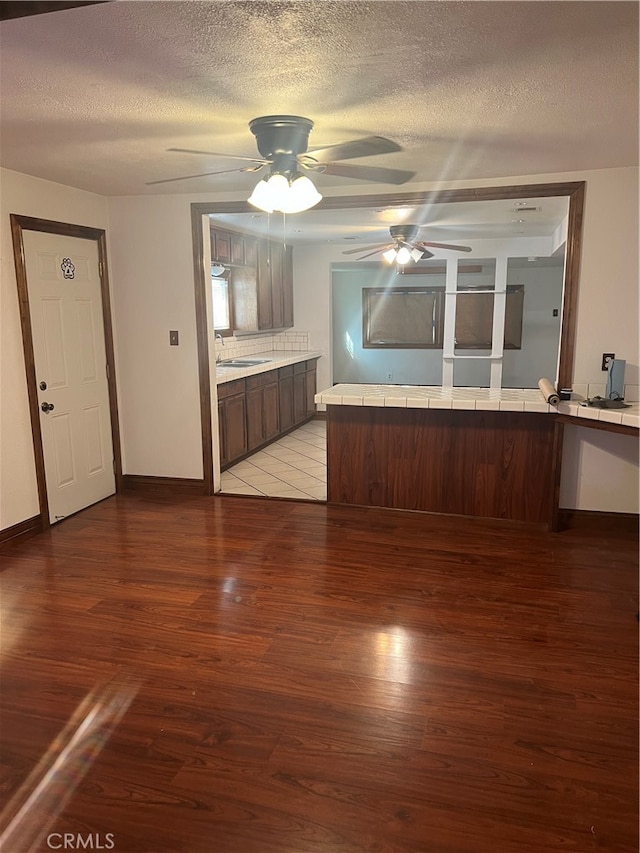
<point x="445" y="246"/>
<point x="217" y="154"/>
<point x="362" y="249"/>
<point x="356" y="148"/>
<point x="204" y="175"/>
<point x="375" y="252"/>
<point x="368" y="173"/>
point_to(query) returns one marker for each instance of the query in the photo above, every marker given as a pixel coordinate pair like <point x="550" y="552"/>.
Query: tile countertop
<point x="481" y="399"/>
<point x="274" y="358"/>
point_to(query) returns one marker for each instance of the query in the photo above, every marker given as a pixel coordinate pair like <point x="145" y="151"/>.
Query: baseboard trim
<point x="141" y="483"/>
<point x="599" y="522"/>
<point x="19" y="532"/>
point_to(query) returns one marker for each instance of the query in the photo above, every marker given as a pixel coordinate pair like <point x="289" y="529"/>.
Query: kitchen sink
<point x="243" y="362"/>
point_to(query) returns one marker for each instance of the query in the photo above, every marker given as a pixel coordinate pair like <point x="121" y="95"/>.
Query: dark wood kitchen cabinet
<point x="254" y="411"/>
<point x="304" y="389"/>
<point x="232" y="421"/>
<point x="263" y="421"/>
<point x="275" y="285"/>
<point x="285" y="397"/>
<point x="220" y="246"/>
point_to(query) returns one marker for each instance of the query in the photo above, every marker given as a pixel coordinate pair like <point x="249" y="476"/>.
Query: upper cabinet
<point x="261" y="280"/>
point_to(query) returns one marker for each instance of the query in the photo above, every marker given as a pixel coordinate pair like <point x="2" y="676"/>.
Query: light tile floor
<point x="295" y="466"/>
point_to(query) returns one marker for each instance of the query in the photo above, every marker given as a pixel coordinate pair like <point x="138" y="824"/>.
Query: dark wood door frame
<point x="19" y="224"/>
<point x="574" y="191"/>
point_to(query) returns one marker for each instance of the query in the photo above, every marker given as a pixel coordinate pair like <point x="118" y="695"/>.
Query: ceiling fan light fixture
<point x="301" y="195"/>
<point x="281" y="194"/>
<point x="403" y="256"/>
<point x="416" y="254"/>
<point x="389" y="255"/>
<point x="261" y="197"/>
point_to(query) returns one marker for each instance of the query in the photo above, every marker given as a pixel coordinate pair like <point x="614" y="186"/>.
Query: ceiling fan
<point x="282" y="144"/>
<point x="405" y="246"/>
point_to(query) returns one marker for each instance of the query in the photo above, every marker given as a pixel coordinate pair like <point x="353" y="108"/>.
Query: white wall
<point x="27" y="196"/>
<point x="351" y="363"/>
<point x="152" y="291"/>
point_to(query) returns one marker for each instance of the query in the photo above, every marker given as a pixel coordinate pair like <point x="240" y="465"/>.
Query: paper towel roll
<point x="548" y="392"/>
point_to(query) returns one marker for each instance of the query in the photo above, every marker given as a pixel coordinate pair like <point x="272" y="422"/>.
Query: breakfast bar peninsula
<point x="490" y="453"/>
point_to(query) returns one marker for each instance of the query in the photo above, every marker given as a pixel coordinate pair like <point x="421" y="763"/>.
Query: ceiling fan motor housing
<point x="404" y="233"/>
<point x="281" y="135"/>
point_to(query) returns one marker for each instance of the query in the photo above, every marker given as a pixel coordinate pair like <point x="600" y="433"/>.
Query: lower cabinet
<point x="232" y="420"/>
<point x="254" y="411"/>
<point x="263" y="420"/>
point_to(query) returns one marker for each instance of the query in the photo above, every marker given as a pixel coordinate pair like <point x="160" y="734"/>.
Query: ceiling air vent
<point x="517" y="209"/>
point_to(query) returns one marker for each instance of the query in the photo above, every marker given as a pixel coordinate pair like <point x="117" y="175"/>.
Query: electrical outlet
<point x="606" y="358"/>
<point x="389" y="376"/>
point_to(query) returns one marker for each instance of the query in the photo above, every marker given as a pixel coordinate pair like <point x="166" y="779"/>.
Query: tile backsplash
<point x="240" y="347"/>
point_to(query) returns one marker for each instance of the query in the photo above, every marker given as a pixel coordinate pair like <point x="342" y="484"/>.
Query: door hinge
<point x="107" y="369"/>
<point x="101" y="268"/>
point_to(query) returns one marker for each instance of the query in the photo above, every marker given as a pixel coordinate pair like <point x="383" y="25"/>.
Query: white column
<point x="449" y="335"/>
<point x="499" y="311"/>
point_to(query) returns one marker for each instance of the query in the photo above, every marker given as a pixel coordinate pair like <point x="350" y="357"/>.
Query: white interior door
<point x="63" y="282"/>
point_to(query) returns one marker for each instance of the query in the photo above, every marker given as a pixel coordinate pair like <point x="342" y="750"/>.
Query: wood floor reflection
<point x="318" y="679"/>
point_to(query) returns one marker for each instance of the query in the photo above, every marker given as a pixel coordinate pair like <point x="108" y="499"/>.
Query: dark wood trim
<point x="571" y="279"/>
<point x="621" y="429"/>
<point x="141" y="483"/>
<point x="111" y="360"/>
<point x="19" y="532"/>
<point x="202" y="338"/>
<point x="19" y="224"/>
<point x="574" y="190"/>
<point x="599" y="522"/>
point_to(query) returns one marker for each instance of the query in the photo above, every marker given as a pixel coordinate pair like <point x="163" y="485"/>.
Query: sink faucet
<point x="218" y="335"/>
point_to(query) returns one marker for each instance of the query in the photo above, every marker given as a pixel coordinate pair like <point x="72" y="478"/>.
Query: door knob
<point x="47" y="407"/>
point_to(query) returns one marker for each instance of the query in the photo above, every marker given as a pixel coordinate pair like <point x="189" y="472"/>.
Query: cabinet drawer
<point x="300" y="367"/>
<point x="261" y="379"/>
<point x="285" y="372"/>
<point x="229" y="389"/>
<point x="311" y="363"/>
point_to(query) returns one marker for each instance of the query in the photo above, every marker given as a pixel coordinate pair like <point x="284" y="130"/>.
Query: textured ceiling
<point x="92" y="97"/>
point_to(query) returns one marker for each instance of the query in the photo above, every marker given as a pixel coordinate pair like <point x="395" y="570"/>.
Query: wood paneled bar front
<point x="469" y="452"/>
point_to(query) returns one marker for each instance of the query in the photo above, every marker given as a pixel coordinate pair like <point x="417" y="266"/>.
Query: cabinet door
<point x="285" y="393"/>
<point x="235" y="430"/>
<point x="237" y="249"/>
<point x="299" y="397"/>
<point x="255" y="426"/>
<point x="276" y="253"/>
<point x="222" y="247"/>
<point x="265" y="310"/>
<point x="311" y="389"/>
<point x="270" y="413"/>
<point x="222" y="434"/>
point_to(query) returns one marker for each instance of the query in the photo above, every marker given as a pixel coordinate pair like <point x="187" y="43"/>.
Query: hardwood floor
<point x="303" y="678"/>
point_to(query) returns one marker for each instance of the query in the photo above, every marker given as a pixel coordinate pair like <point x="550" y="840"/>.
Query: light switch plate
<point x="173" y="338"/>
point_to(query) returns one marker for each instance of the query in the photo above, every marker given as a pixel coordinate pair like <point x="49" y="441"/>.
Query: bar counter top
<point x="479" y="399"/>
